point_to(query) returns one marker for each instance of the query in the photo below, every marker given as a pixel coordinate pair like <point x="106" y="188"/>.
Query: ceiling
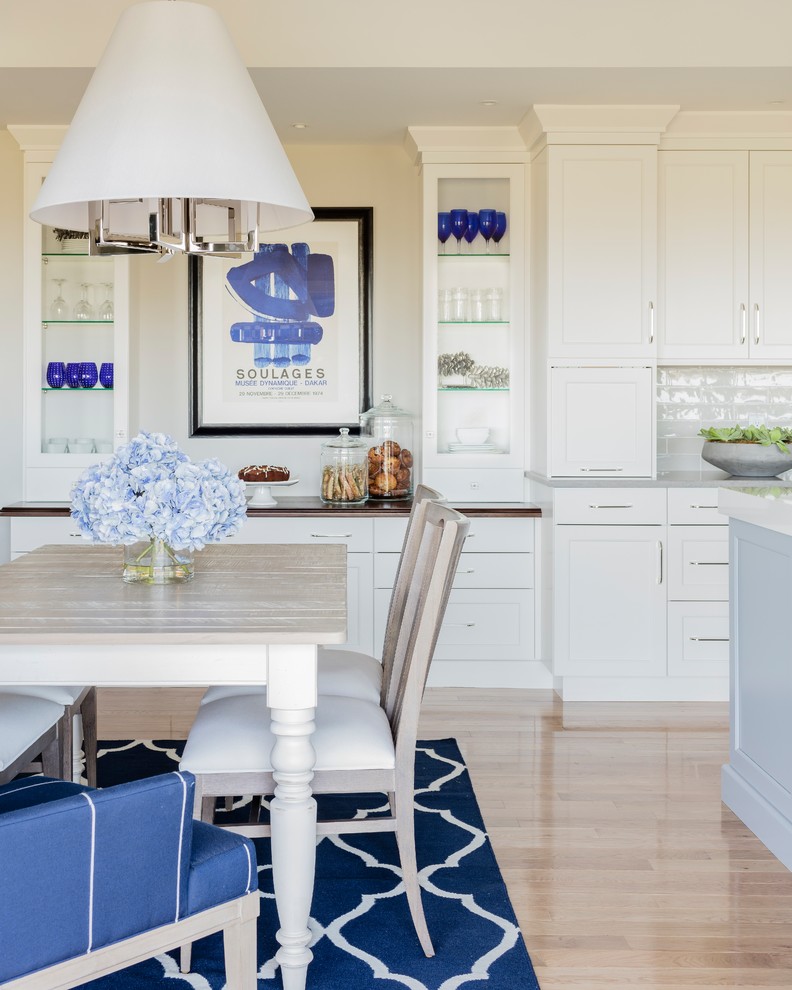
<point x="391" y="65"/>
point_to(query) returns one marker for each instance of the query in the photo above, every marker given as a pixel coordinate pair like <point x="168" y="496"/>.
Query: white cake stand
<point x="260" y="493"/>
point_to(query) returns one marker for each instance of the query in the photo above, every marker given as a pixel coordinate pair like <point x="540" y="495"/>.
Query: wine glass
<point x="106" y="374"/>
<point x="59" y="309"/>
<point x="472" y="228"/>
<point x="487" y="220"/>
<point x="83" y="310"/>
<point x="106" y="309"/>
<point x="500" y="227"/>
<point x="443" y="228"/>
<point x="459" y="224"/>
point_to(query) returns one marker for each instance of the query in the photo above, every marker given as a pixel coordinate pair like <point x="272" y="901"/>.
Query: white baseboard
<point x="490" y="674"/>
<point x="642" y="688"/>
<point x="754" y="810"/>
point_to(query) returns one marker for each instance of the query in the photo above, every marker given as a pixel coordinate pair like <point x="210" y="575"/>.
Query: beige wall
<point x="378" y="176"/>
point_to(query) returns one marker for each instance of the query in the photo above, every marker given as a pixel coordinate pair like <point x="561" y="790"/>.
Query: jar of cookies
<point x="344" y="469"/>
<point x="389" y="432"/>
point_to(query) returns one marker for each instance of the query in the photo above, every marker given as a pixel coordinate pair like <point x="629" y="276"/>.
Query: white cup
<point x="57" y="445"/>
<point x="473" y="434"/>
<point x="82" y="445"/>
<point x="104" y="447"/>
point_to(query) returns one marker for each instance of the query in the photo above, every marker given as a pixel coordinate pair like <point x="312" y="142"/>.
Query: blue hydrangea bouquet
<point x="150" y="497"/>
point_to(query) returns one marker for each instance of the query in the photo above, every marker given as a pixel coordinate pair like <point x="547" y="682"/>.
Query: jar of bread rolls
<point x="389" y="434"/>
<point x="344" y="469"/>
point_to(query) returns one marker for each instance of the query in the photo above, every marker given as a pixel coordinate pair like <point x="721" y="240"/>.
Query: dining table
<point x="252" y="615"/>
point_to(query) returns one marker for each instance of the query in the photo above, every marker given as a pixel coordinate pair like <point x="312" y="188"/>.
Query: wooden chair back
<point x="443" y="536"/>
<point x="403" y="580"/>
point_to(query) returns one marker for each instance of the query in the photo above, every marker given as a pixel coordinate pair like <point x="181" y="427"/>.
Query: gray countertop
<point x="668" y="479"/>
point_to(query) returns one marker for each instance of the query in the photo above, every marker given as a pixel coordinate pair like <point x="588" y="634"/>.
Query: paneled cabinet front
<point x="725" y="253"/>
<point x="601" y="215"/>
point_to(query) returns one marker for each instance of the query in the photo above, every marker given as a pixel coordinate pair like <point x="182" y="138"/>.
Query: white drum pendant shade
<point x="171" y="112"/>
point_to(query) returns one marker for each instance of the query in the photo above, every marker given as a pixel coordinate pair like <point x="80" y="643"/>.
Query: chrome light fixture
<point x="171" y="149"/>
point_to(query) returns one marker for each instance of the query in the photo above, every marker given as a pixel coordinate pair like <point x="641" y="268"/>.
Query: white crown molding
<point x="37" y="137"/>
<point x="574" y="124"/>
<point x="767" y="130"/>
<point x="439" y="145"/>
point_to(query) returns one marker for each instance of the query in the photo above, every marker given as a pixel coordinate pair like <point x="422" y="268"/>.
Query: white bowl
<point x="473" y="434"/>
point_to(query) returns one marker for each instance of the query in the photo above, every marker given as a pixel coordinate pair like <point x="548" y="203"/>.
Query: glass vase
<point x="154" y="562"/>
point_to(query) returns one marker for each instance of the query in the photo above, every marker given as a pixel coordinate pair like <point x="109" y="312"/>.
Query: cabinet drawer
<point x="485" y="535"/>
<point x="698" y="639"/>
<point x="610" y="506"/>
<point x="475" y="570"/>
<point x="694" y="507"/>
<point x="478" y="625"/>
<point x="698" y="563"/>
<point x="357" y="534"/>
<point x="28" y="533"/>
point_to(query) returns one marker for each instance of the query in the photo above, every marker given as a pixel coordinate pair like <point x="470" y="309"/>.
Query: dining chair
<point x="75" y="701"/>
<point x="350" y="673"/>
<point x="94" y="881"/>
<point x="28" y="732"/>
<point x="361" y="747"/>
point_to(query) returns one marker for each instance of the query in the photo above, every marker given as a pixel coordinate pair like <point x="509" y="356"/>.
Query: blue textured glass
<point x="73" y="374"/>
<point x="56" y="374"/>
<point x="106" y="375"/>
<point x="88" y="374"/>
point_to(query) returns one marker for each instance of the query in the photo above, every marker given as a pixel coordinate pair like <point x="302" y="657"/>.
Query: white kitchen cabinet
<point x="66" y="429"/>
<point x="601" y="263"/>
<point x="473" y="305"/>
<point x="601" y="422"/>
<point x="725" y="235"/>
<point x="610" y="608"/>
<point x="698" y="639"/>
<point x="698" y="563"/>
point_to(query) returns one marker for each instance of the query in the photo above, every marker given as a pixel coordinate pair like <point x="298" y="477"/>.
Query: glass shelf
<point x="76" y="323"/>
<point x="474" y="254"/>
<point x="65" y="254"/>
<point x="468" y="388"/>
<point x="473" y="323"/>
<point x="80" y="391"/>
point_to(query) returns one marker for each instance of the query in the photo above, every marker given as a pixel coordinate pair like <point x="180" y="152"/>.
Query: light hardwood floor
<point x="624" y="868"/>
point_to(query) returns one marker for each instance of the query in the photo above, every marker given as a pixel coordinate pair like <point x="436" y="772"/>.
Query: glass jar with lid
<point x="344" y="469"/>
<point x="389" y="432"/>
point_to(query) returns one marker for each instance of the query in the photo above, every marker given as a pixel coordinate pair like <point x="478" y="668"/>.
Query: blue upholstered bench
<point x="92" y="881"/>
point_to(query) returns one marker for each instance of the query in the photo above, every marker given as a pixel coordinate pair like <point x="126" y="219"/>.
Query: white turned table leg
<point x="291" y="689"/>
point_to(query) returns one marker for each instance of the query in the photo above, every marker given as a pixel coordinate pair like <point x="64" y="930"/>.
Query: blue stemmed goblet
<point x="459" y="225"/>
<point x="106" y="374"/>
<point x="472" y="228"/>
<point x="56" y="374"/>
<point x="500" y="227"/>
<point x="443" y="228"/>
<point x="487" y="221"/>
<point x="88" y="374"/>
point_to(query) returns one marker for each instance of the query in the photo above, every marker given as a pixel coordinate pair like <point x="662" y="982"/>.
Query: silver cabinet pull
<point x="470" y="570"/>
<point x="629" y="506"/>
<point x="651" y="323"/>
<point x="742" y="323"/>
<point x="708" y="639"/>
<point x="659" y="561"/>
<point x="756" y="323"/>
<point x="332" y="536"/>
<point x="75" y="534"/>
<point x="458" y="625"/>
<point x="703" y="507"/>
<point x="599" y="471"/>
<point x="708" y="563"/>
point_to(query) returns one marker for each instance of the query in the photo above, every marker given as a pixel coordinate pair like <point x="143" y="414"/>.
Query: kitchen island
<point x="757" y="782"/>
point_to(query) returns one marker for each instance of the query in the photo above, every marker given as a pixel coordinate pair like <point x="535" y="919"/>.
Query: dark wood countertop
<point x="314" y="506"/>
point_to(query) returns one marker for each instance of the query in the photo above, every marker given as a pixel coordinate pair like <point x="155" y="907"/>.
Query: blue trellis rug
<point x="363" y="937"/>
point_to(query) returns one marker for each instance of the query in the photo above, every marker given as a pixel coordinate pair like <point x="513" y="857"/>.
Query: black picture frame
<point x="349" y="231"/>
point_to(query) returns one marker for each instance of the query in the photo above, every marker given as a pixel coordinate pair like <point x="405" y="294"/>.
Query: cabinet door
<point x="771" y="255"/>
<point x="601" y="422"/>
<point x="602" y="251"/>
<point x="610" y="617"/>
<point x="703" y="256"/>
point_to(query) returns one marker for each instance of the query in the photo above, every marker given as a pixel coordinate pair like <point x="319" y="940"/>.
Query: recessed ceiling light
<point x="300" y="127"/>
<point x="488" y="103"/>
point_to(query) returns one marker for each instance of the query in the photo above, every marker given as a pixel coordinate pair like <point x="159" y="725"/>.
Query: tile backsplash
<point x="691" y="398"/>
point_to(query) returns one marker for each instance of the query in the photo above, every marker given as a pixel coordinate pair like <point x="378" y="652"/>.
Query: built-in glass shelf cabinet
<point x="76" y="352"/>
<point x="474" y="394"/>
